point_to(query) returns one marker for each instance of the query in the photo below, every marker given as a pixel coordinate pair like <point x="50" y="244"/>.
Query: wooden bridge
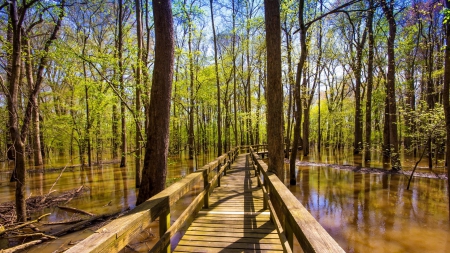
<point x="242" y="208"/>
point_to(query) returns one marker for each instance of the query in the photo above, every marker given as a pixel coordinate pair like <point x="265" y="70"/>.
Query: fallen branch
<point x="45" y="196"/>
<point x="62" y="222"/>
<point x="57" y="179"/>
<point x="21" y="247"/>
<point x="78" y="226"/>
<point x="33" y="234"/>
<point x="72" y="209"/>
<point x="24" y="224"/>
<point x="76" y="192"/>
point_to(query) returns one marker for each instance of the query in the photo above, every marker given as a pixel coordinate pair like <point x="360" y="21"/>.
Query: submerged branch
<point x="72" y="209"/>
<point x="24" y="224"/>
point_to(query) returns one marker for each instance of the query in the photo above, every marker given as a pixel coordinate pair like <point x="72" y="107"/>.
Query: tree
<point x="297" y="94"/>
<point x="216" y="68"/>
<point x="391" y="105"/>
<point x="17" y="15"/>
<point x="119" y="44"/>
<point x="446" y="91"/>
<point x="139" y="66"/>
<point x="298" y="89"/>
<point x="369" y="81"/>
<point x="274" y="89"/>
<point x="156" y="150"/>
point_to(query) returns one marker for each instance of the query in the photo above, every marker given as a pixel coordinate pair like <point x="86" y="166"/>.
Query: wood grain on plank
<point x="235" y="220"/>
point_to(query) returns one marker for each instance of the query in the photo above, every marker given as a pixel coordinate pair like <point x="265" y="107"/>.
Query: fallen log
<point x="24" y="224"/>
<point x="76" y="192"/>
<point x="72" y="209"/>
<point x="62" y="222"/>
<point x="30" y="235"/>
<point x="21" y="247"/>
<point x="78" y="226"/>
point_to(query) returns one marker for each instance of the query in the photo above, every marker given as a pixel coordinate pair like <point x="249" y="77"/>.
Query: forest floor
<point x="367" y="170"/>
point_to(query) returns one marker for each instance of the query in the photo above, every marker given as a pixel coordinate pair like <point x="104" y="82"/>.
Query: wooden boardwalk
<point x="234" y="217"/>
<point x="235" y="220"/>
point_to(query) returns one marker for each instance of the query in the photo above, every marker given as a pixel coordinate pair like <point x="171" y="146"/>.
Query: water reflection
<point x="375" y="212"/>
<point x="363" y="212"/>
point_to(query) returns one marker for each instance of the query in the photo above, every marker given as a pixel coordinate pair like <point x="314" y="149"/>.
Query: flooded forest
<point x="364" y="124"/>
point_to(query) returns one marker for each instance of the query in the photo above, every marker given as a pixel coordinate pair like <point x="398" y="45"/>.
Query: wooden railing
<point x="116" y="235"/>
<point x="289" y="215"/>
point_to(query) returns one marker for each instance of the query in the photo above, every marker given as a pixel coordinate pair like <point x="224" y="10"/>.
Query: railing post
<point x="220" y="174"/>
<point x="266" y="196"/>
<point x="289" y="234"/>
<point x="205" y="186"/>
<point x="164" y="225"/>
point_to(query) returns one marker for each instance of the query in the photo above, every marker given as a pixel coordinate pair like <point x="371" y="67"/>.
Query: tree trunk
<point x="14" y="61"/>
<point x="358" y="110"/>
<point x="274" y="89"/>
<point x="115" y="132"/>
<point x="369" y="81"/>
<point x="304" y="95"/>
<point x="35" y="117"/>
<point x="233" y="51"/>
<point x="446" y="102"/>
<point x="155" y="161"/>
<point x="291" y="101"/>
<point x="393" y="134"/>
<point x="297" y="96"/>
<point x="191" y="136"/>
<point x="123" y="159"/>
<point x="88" y="118"/>
<point x="138" y="94"/>
<point x="216" y="68"/>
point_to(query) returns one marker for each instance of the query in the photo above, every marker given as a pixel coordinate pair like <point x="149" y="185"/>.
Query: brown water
<point x="375" y="213"/>
<point x="111" y="189"/>
<point x="363" y="212"/>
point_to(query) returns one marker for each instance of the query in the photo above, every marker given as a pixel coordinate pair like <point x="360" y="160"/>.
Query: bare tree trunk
<point x="191" y="135"/>
<point x="358" y="110"/>
<point x="446" y="102"/>
<point x="138" y="94"/>
<point x="115" y="132"/>
<point x="123" y="159"/>
<point x="216" y="67"/>
<point x="250" y="140"/>
<point x="155" y="161"/>
<point x="369" y="81"/>
<point x="233" y="51"/>
<point x="393" y="135"/>
<point x="297" y="96"/>
<point x="274" y="89"/>
<point x="19" y="134"/>
<point x="88" y="118"/>
<point x="35" y="117"/>
<point x="291" y="82"/>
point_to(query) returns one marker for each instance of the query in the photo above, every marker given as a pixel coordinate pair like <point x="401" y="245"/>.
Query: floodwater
<point x="363" y="212"/>
<point x="375" y="213"/>
<point x="110" y="189"/>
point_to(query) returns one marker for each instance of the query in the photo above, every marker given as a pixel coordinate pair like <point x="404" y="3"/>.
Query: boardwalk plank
<point x="235" y="220"/>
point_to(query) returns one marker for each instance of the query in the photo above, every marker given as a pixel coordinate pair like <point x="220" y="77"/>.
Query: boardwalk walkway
<point x="235" y="220"/>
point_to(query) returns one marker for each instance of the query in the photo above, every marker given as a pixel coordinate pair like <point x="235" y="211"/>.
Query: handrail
<point x="117" y="234"/>
<point x="292" y="216"/>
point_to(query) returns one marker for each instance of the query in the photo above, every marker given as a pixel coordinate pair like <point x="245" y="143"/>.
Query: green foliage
<point x="428" y="124"/>
<point x="446" y="13"/>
